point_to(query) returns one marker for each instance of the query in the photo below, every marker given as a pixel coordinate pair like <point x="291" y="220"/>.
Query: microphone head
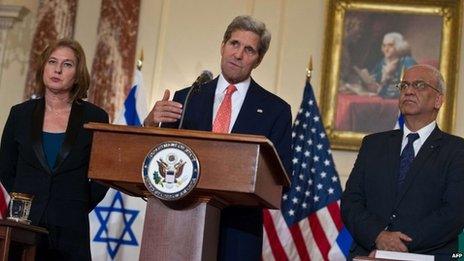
<point x="204" y="77"/>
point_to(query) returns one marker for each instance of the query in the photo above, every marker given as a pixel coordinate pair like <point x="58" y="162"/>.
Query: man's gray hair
<point x="437" y="75"/>
<point x="402" y="46"/>
<point x="248" y="23"/>
<point x="441" y="86"/>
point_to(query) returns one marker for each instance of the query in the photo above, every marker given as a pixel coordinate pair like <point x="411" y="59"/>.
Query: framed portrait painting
<point x="369" y="44"/>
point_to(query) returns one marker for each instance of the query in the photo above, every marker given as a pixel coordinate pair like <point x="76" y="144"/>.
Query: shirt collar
<point x="424" y="132"/>
<point x="242" y="87"/>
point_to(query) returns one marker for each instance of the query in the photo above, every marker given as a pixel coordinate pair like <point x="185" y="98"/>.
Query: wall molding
<point x="9" y="14"/>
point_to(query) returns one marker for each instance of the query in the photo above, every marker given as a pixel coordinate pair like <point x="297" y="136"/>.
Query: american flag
<point x="4" y="201"/>
<point x="309" y="225"/>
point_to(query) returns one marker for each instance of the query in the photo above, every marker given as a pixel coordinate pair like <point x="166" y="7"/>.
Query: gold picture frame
<point x="346" y="76"/>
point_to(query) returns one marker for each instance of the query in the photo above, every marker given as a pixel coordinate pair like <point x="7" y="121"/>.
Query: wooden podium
<point x="235" y="169"/>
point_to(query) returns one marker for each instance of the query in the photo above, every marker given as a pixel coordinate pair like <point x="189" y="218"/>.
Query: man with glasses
<point x="406" y="190"/>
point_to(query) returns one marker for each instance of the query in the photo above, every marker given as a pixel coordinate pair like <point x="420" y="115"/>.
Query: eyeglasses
<point x="417" y="85"/>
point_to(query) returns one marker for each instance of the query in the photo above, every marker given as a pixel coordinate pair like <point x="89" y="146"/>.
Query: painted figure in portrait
<point x="376" y="49"/>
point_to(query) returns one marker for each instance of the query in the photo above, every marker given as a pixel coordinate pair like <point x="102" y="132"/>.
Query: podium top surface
<point x="180" y="133"/>
<point x="195" y="134"/>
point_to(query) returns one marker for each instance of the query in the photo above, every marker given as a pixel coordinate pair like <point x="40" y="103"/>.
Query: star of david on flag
<point x="126" y="236"/>
<point x="309" y="224"/>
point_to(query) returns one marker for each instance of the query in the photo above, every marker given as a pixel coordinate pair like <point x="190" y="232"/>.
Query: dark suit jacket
<point x="262" y="113"/>
<point x="430" y="205"/>
<point x="63" y="196"/>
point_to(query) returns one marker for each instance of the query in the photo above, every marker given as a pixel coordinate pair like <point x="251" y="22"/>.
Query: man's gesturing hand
<point x="164" y="111"/>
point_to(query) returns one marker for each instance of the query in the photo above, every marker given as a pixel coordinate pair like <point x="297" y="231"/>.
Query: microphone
<point x="204" y="77"/>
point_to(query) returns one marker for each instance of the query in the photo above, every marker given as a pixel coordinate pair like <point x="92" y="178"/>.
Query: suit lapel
<point x="249" y="109"/>
<point x="206" y="95"/>
<point x="393" y="164"/>
<point x="36" y="133"/>
<point x="430" y="145"/>
<point x="75" y="122"/>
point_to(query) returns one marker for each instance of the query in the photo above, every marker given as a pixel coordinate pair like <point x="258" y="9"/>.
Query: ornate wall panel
<point x="56" y="19"/>
<point x="113" y="63"/>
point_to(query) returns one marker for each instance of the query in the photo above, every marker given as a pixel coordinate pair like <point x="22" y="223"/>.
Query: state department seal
<point x="170" y="170"/>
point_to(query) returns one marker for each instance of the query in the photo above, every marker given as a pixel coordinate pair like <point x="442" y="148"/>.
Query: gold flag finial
<point x="402" y="72"/>
<point x="309" y="69"/>
<point x="139" y="61"/>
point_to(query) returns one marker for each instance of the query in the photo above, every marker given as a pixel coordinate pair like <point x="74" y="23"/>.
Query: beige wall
<point x="180" y="38"/>
<point x="14" y="55"/>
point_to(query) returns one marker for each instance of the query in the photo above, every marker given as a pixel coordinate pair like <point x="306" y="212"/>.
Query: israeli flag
<point x="135" y="106"/>
<point x="399" y="122"/>
<point x="116" y="224"/>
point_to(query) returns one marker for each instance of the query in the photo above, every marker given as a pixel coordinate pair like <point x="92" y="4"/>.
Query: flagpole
<point x="309" y="69"/>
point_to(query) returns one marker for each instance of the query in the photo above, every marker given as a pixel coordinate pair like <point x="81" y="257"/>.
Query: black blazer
<point x="262" y="113"/>
<point x="430" y="205"/>
<point x="63" y="196"/>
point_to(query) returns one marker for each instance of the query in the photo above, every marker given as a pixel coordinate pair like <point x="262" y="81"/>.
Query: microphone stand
<point x="194" y="89"/>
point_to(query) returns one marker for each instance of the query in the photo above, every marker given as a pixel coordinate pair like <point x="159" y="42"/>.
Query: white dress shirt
<point x="424" y="133"/>
<point x="237" y="98"/>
